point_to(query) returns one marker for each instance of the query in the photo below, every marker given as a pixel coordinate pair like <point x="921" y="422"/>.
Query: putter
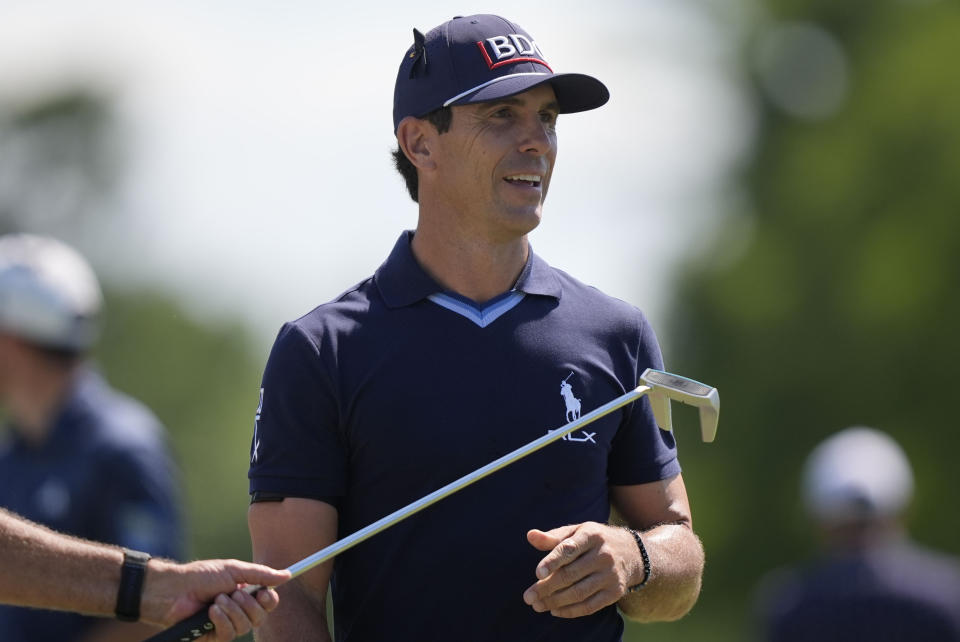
<point x="660" y="386"/>
<point x="687" y="391"/>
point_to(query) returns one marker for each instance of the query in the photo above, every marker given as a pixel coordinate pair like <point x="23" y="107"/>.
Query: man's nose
<point x="538" y="137"/>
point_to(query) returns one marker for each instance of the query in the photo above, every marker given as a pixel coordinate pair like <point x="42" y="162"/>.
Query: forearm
<point x="282" y="533"/>
<point x="49" y="570"/>
<point x="300" y="616"/>
<point x="676" y="571"/>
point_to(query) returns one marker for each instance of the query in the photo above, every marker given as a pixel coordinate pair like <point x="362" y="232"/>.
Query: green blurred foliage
<point x="60" y="158"/>
<point x="202" y="380"/>
<point x="840" y="308"/>
<point x="61" y="155"/>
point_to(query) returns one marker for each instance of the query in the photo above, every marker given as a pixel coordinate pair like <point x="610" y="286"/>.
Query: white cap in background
<point x="858" y="473"/>
<point x="49" y="294"/>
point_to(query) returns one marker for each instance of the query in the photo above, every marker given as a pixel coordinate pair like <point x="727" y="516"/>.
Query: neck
<point x="478" y="269"/>
<point x="863" y="535"/>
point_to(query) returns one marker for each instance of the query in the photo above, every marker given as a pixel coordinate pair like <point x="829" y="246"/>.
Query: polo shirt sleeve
<point x="297" y="449"/>
<point x="641" y="452"/>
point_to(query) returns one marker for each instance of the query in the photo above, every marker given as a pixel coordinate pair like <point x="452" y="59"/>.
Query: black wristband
<point x="646" y="562"/>
<point x="131" y="585"/>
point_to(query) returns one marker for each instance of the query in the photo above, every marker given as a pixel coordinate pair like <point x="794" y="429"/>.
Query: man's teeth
<point x="525" y="178"/>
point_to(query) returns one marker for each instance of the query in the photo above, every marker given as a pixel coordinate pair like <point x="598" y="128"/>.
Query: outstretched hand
<point x="589" y="566"/>
<point x="173" y="592"/>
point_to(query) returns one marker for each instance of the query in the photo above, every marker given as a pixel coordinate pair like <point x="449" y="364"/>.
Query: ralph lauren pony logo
<point x="507" y="50"/>
<point x="573" y="412"/>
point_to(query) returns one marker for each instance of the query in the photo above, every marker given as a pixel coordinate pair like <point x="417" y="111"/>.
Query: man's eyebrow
<point x="512" y="100"/>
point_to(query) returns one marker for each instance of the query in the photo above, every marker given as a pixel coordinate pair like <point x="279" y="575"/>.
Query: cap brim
<point x="575" y="92"/>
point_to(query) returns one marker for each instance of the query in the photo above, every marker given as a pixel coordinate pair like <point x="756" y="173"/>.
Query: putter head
<point x="665" y="386"/>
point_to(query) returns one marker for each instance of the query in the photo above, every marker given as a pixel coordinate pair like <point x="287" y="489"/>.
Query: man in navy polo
<point x="461" y="347"/>
<point x="79" y="457"/>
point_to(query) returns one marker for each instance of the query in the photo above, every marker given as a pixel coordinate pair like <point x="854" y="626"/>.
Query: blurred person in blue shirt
<point x="78" y="456"/>
<point x="870" y="582"/>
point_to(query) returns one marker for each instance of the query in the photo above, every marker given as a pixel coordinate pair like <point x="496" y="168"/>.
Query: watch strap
<point x="131" y="585"/>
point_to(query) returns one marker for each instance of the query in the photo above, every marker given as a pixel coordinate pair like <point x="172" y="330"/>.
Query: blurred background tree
<point x="60" y="166"/>
<point x="829" y="297"/>
<point x="60" y="160"/>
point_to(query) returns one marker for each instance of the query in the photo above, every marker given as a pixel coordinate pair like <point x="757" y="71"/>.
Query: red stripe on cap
<point x="510" y="61"/>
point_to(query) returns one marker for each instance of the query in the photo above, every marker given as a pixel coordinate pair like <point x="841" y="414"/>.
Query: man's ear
<point x="415" y="138"/>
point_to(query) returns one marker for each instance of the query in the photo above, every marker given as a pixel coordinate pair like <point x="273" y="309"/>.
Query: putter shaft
<point x="199" y="623"/>
<point x="400" y="514"/>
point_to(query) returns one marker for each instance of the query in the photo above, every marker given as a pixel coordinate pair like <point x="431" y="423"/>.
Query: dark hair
<point x="439" y="118"/>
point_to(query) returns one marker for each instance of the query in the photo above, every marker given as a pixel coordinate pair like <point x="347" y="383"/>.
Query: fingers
<point x="268" y="599"/>
<point x="247" y="573"/>
<point x="239" y="613"/>
<point x="567" y="585"/>
<point x="566" y="544"/>
<point x="582" y="573"/>
<point x="223" y="627"/>
<point x="586" y="606"/>
<point x="546" y="540"/>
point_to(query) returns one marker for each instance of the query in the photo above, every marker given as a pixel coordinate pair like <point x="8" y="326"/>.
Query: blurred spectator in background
<point x="78" y="457"/>
<point x="870" y="582"/>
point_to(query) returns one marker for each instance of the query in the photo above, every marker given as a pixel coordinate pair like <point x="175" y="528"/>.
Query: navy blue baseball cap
<point x="473" y="59"/>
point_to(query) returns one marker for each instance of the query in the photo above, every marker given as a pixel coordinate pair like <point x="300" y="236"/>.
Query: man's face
<point x="495" y="162"/>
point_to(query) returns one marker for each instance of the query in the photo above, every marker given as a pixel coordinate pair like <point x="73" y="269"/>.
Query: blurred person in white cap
<point x="870" y="581"/>
<point x="77" y="456"/>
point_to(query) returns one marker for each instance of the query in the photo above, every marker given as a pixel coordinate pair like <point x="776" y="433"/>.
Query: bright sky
<point x="259" y="181"/>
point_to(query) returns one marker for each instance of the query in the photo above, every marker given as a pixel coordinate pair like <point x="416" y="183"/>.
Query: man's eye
<point x="502" y="113"/>
<point x="549" y="117"/>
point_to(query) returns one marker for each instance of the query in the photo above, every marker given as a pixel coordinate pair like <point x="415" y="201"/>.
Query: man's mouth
<point x="530" y="180"/>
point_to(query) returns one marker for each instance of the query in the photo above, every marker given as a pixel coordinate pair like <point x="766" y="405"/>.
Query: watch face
<point x="682" y="384"/>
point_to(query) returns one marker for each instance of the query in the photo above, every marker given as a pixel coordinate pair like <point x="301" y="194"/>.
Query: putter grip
<point x="195" y="626"/>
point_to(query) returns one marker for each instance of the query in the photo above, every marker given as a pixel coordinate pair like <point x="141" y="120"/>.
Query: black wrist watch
<point x="131" y="585"/>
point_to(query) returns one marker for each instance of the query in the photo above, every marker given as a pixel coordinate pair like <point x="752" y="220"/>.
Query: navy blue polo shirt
<point x="887" y="593"/>
<point x="396" y="388"/>
<point x="103" y="473"/>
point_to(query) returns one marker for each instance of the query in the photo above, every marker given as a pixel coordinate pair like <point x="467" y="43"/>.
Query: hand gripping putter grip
<point x="661" y="387"/>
